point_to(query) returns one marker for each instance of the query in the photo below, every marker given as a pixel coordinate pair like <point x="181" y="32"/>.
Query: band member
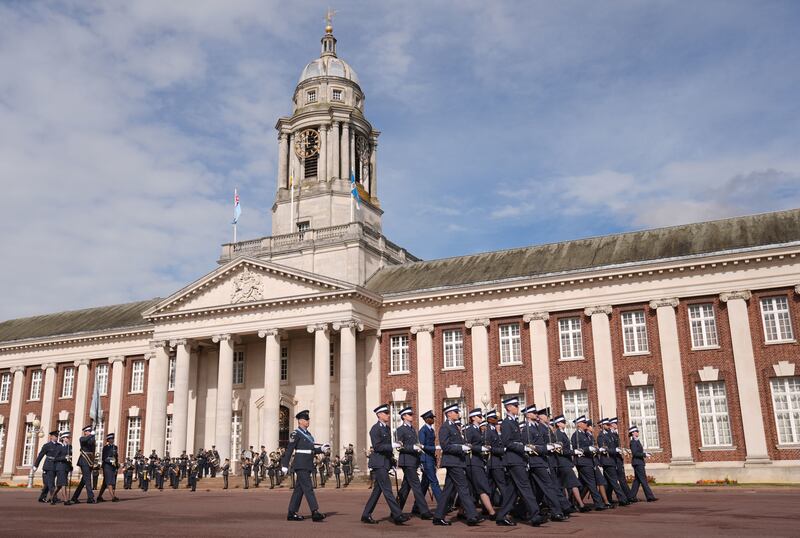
<point x="247" y="468"/>
<point x="515" y="460"/>
<point x="302" y="447"/>
<point x="380" y="461"/>
<point x="608" y="448"/>
<point x="583" y="446"/>
<point x="63" y="459"/>
<point x="347" y="465"/>
<point x="427" y="438"/>
<point x="213" y="461"/>
<point x="410" y="450"/>
<point x="476" y="472"/>
<point x="337" y="470"/>
<point x="86" y="462"/>
<point x="48" y="454"/>
<point x="226" y="469"/>
<point x="619" y="461"/>
<point x="638" y="456"/>
<point x="110" y="467"/>
<point x="455" y="451"/>
<point x="565" y="468"/>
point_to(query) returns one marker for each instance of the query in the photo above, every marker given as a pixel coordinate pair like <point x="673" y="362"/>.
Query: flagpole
<point x="352" y="197"/>
<point x="291" y="200"/>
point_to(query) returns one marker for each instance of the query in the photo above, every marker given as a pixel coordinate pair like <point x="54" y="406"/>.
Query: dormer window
<point x="311" y="96"/>
<point x="337" y="95"/>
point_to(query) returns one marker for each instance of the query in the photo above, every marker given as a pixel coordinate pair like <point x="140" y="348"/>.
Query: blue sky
<point x="125" y="126"/>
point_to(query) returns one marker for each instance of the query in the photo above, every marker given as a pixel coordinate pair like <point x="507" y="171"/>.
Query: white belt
<point x="303" y="451"/>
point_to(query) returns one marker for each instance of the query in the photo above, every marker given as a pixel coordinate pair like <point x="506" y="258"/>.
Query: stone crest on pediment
<point x="247" y="287"/>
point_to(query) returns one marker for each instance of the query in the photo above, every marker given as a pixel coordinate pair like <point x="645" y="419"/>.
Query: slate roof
<point x="634" y="247"/>
<point x="104" y="318"/>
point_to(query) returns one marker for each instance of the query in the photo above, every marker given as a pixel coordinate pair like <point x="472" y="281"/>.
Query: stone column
<point x="322" y="161"/>
<point x="353" y="162"/>
<point x="283" y="161"/>
<point x="321" y="417"/>
<point x="755" y="438"/>
<point x="272" y="388"/>
<point x="480" y="360"/>
<point x="424" y="369"/>
<point x="540" y="357"/>
<point x="224" y="416"/>
<point x="673" y="380"/>
<point x="79" y="417"/>
<point x="335" y="151"/>
<point x="603" y="361"/>
<point x="191" y="423"/>
<point x="12" y="431"/>
<point x="47" y="399"/>
<point x="157" y="385"/>
<point x="373" y="172"/>
<point x="180" y="404"/>
<point x="345" y="151"/>
<point x="348" y="411"/>
<point x="372" y="397"/>
<point x="115" y="400"/>
<point x="294" y="166"/>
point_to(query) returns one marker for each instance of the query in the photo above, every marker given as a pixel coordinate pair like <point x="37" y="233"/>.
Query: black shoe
<point x="41" y="500"/>
<point x="316" y="515"/>
<point x="100" y="500"/>
<point x="505" y="522"/>
<point x="599" y="508"/>
<point x="115" y="500"/>
<point x="474" y="522"/>
<point x="538" y="520"/>
<point x="624" y="503"/>
<point x="633" y="500"/>
<point x="91" y="501"/>
<point x="368" y="520"/>
<point x="570" y="510"/>
<point x="584" y="509"/>
<point x="75" y="501"/>
<point x="441" y="522"/>
<point x="400" y="520"/>
<point x="294" y="517"/>
<point x="427" y="516"/>
<point x="558" y="517"/>
<point x="654" y="499"/>
<point x="68" y="503"/>
<point x="610" y="506"/>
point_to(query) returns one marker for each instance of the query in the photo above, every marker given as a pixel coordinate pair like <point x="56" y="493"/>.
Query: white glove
<point x="592" y="449"/>
<point x="33" y="469"/>
<point x="396" y="445"/>
<point x="529" y="450"/>
<point x="418" y="447"/>
<point x="466" y="448"/>
<point x="550" y="447"/>
<point x="438" y="447"/>
<point x="619" y="451"/>
<point x="647" y="454"/>
<point x="485" y="449"/>
<point x="578" y="452"/>
<point x="284" y="470"/>
<point x="326" y="447"/>
<point x="604" y="450"/>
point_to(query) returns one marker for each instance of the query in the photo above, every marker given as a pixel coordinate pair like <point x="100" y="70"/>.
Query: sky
<point x="126" y="125"/>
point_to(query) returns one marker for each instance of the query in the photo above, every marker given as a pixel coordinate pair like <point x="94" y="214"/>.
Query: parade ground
<point x="680" y="511"/>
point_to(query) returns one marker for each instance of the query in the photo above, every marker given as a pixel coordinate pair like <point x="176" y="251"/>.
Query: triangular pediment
<point x="246" y="281"/>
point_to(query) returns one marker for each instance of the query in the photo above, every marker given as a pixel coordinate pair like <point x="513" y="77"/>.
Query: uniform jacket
<point x="474" y="438"/>
<point x="511" y="438"/>
<point x="48" y="453"/>
<point x="88" y="447"/>
<point x="583" y="440"/>
<point x="110" y="455"/>
<point x="64" y="458"/>
<point x="565" y="458"/>
<point x="617" y="443"/>
<point x="301" y="443"/>
<point x="226" y="468"/>
<point x="497" y="451"/>
<point x="451" y="441"/>
<point x="637" y="452"/>
<point x="537" y="435"/>
<point x="427" y="436"/>
<point x="406" y="435"/>
<point x="606" y="440"/>
<point x="381" y="439"/>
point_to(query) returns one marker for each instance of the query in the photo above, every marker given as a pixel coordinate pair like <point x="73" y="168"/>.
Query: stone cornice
<point x="422" y="329"/>
<point x="348" y="324"/>
<point x="601" y="309"/>
<point x="482" y="322"/>
<point x="536" y="316"/>
<point x="81" y="362"/>
<point x="77" y="338"/>
<point x="317" y="327"/>
<point x="732" y="295"/>
<point x="671" y="302"/>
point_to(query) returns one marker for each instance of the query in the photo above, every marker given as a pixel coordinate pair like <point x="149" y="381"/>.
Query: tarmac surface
<point x="680" y="511"/>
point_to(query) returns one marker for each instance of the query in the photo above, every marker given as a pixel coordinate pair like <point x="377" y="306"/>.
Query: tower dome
<point x="328" y="66"/>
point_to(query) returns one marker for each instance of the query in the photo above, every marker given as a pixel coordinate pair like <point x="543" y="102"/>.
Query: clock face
<point x="362" y="147"/>
<point x="307" y="143"/>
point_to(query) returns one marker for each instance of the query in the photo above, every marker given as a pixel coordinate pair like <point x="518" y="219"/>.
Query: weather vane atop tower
<point x="329" y="21"/>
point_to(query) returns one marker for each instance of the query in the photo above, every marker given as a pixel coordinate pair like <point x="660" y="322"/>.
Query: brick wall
<point x="561" y="370"/>
<point x="444" y="378"/>
<point x="128" y="400"/>
<point x="498" y="375"/>
<point x="5" y="412"/>
<point x="390" y="382"/>
<point x="28" y="406"/>
<point x="65" y="404"/>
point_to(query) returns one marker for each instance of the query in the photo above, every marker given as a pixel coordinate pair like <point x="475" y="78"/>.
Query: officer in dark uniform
<point x="600" y="480"/>
<point x="537" y="438"/>
<point x="565" y="468"/>
<point x="212" y="467"/>
<point x="584" y="449"/>
<point x="608" y="447"/>
<point x="337" y="471"/>
<point x="110" y="467"/>
<point x="494" y="464"/>
<point x="86" y="462"/>
<point x="194" y="470"/>
<point x="226" y="469"/>
<point x="247" y="468"/>
<point x="515" y="460"/>
<point x="410" y="450"/>
<point x="302" y="446"/>
<point x="638" y="456"/>
<point x="63" y="460"/>
<point x="476" y="470"/>
<point x="455" y="451"/>
<point x="619" y="461"/>
<point x="48" y="454"/>
<point x="553" y="448"/>
<point x="427" y="438"/>
<point x="380" y="461"/>
<point x="183" y="465"/>
<point x="347" y="465"/>
<point x="127" y="474"/>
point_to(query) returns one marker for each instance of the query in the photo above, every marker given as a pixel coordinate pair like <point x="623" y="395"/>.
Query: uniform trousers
<point x="520" y="483"/>
<point x="382" y="485"/>
<point x="456" y="483"/>
<point x="429" y="479"/>
<point x="48" y="484"/>
<point x="610" y="474"/>
<point x="640" y="478"/>
<point x="411" y="484"/>
<point x="127" y="480"/>
<point x="587" y="476"/>
<point x="86" y="482"/>
<point x="302" y="487"/>
<point x="497" y="475"/>
<point x="619" y="463"/>
<point x="541" y="477"/>
<point x="224" y="481"/>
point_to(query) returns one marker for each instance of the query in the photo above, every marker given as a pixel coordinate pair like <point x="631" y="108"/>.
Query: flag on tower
<point x="354" y="188"/>
<point x="237" y="209"/>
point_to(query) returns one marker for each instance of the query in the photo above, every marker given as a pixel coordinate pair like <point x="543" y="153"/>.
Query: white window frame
<point x="236" y="435"/>
<point x="133" y="436"/>
<point x="5" y="387"/>
<point x="712" y="409"/>
<point x="399" y="354"/>
<point x="63" y="425"/>
<point x="634" y="333"/>
<point x="786" y="408"/>
<point x="29" y="445"/>
<point x="453" y="349"/>
<point x="284" y="364"/>
<point x="137" y="377"/>
<point x="36" y="385"/>
<point x="168" y="435"/>
<point x="394" y="416"/>
<point x="311" y="96"/>
<point x="510" y="342"/>
<point x="68" y="382"/>
<point x="462" y="407"/>
<point x="100" y="436"/>
<point x="643" y="417"/>
<point x="776" y="319"/>
<point x="570" y="338"/>
<point x="101" y="378"/>
<point x="574" y="404"/>
<point x="703" y="326"/>
<point x="340" y="97"/>
<point x="171" y="375"/>
<point x="238" y="367"/>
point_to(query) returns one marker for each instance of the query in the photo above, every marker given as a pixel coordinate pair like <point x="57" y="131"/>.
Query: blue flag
<point x="354" y="188"/>
<point x="237" y="209"/>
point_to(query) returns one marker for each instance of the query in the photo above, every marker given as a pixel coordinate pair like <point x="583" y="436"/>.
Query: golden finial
<point x="329" y="21"/>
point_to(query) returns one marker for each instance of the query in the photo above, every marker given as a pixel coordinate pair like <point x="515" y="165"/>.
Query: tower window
<point x="303" y="226"/>
<point x="337" y="95"/>
<point x="311" y="96"/>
